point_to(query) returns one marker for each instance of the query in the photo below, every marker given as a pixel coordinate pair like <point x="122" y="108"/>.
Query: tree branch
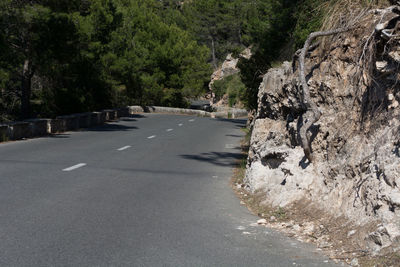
<point x="313" y="114"/>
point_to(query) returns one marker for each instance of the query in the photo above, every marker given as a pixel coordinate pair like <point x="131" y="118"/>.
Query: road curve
<point x="150" y="190"/>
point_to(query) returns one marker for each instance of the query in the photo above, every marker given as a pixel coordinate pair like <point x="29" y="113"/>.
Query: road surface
<point x="150" y="190"/>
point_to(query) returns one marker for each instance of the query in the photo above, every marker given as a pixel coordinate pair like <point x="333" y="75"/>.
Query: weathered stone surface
<point x="246" y="54"/>
<point x="19" y="130"/>
<point x="4" y="133"/>
<point x="71" y="122"/>
<point x="262" y="221"/>
<point x="229" y="67"/>
<point x="123" y="112"/>
<point x="58" y="126"/>
<point x="356" y="143"/>
<point x="111" y="114"/>
<point x="95" y="118"/>
<point x="39" y="127"/>
<point x="104" y="116"/>
<point x="84" y="120"/>
<point x="135" y="109"/>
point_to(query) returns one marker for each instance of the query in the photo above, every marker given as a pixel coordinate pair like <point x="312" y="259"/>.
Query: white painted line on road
<point x="230" y="146"/>
<point x="170" y="130"/>
<point x="123" y="148"/>
<point x="180" y="124"/>
<point x="77" y="166"/>
<point x="151" y="137"/>
<point x="192" y="120"/>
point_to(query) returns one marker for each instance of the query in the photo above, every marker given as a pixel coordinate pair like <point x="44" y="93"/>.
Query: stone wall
<point x="41" y="127"/>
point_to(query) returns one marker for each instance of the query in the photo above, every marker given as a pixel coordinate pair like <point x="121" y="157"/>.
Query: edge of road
<point x="42" y="127"/>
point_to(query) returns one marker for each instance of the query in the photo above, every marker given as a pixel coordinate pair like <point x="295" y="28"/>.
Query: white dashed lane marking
<point x="151" y="137"/>
<point x="170" y="130"/>
<point x="123" y="148"/>
<point x="77" y="166"/>
<point x="192" y="120"/>
<point x="180" y="124"/>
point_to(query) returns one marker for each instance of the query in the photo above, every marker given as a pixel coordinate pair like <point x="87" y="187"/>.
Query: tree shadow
<point x="127" y="119"/>
<point x="58" y="135"/>
<point x="132" y="117"/>
<point x="225" y="159"/>
<point x="240" y="123"/>
<point x="138" y="116"/>
<point x="111" y="127"/>
<point x="234" y="135"/>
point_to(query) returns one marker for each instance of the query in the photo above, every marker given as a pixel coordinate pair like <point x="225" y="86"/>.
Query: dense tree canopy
<point x="65" y="56"/>
<point x="71" y="56"/>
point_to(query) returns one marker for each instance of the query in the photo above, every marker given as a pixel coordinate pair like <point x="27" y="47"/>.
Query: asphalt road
<point x="150" y="190"/>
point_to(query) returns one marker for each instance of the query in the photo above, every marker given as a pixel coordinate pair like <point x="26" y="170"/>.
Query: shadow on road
<point x="60" y="135"/>
<point x="234" y="135"/>
<point x="128" y="119"/>
<point x="106" y="127"/>
<point x="109" y="127"/>
<point x="240" y="123"/>
<point x="226" y="159"/>
<point x="133" y="117"/>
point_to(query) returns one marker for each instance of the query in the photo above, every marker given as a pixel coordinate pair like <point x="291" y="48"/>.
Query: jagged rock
<point x="356" y="143"/>
<point x="309" y="229"/>
<point x="229" y="67"/>
<point x="381" y="65"/>
<point x="296" y="227"/>
<point x="354" y="262"/>
<point x="351" y="233"/>
<point x="262" y="221"/>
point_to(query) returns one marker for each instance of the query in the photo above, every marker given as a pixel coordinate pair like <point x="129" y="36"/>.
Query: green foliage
<point x="231" y="86"/>
<point x="268" y="44"/>
<point x="289" y="24"/>
<point x="66" y="56"/>
<point x="280" y="214"/>
<point x="157" y="59"/>
<point x="309" y="19"/>
<point x="227" y="26"/>
<point x="82" y="55"/>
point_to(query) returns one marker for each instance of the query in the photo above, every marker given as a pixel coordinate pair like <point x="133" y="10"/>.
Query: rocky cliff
<point x="355" y="177"/>
<point x="228" y="68"/>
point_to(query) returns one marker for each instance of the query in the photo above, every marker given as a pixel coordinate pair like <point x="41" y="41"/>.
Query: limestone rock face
<point x="356" y="143"/>
<point x="229" y="67"/>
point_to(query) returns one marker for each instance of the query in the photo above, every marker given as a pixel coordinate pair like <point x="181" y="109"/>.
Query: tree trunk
<point x="26" y="84"/>
<point x="214" y="58"/>
<point x="313" y="114"/>
<point x="240" y="35"/>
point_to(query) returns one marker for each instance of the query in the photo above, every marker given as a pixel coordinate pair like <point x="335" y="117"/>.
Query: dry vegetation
<point x="344" y="13"/>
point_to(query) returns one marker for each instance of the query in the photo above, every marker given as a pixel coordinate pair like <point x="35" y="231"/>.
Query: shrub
<point x="231" y="86"/>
